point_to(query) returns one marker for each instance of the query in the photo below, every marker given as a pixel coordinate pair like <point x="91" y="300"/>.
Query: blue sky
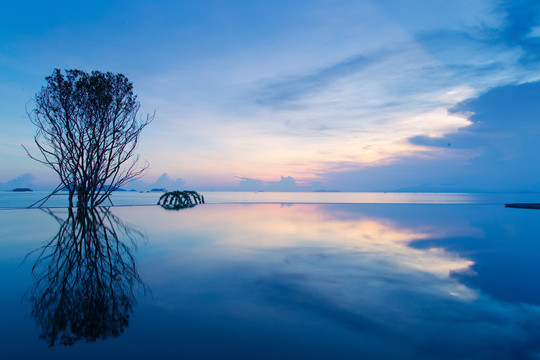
<point x="304" y="95"/>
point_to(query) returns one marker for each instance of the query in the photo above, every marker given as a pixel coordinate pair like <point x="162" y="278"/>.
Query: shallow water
<point x="269" y="281"/>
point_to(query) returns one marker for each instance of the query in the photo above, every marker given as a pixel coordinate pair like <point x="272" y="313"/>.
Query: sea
<point x="267" y="275"/>
<point x="15" y="200"/>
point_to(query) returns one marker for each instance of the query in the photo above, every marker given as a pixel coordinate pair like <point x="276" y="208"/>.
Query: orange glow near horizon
<point x="268" y="156"/>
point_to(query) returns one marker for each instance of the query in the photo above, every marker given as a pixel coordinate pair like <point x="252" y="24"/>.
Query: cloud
<point x="163" y="182"/>
<point x="376" y="107"/>
<point x="504" y="125"/>
<point x="500" y="116"/>
<point x="284" y="92"/>
<point x="522" y="22"/>
<point x="285" y="183"/>
<point x="247" y="184"/>
<point x="21" y="181"/>
<point x="316" y="86"/>
<point x="497" y="152"/>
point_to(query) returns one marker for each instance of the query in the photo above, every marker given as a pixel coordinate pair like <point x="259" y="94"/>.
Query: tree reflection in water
<point x="85" y="278"/>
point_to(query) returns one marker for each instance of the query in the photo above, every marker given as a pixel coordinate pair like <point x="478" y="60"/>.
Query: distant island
<point x="523" y="205"/>
<point x="21" y="190"/>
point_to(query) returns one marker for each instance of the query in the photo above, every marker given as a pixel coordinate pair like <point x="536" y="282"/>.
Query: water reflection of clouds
<point x="245" y="231"/>
<point x="349" y="269"/>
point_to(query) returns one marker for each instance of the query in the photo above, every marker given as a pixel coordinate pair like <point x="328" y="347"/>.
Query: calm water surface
<point x="271" y="281"/>
<point x="11" y="200"/>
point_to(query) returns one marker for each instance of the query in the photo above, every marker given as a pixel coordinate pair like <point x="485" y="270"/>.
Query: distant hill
<point x="22" y="190"/>
<point x="158" y="190"/>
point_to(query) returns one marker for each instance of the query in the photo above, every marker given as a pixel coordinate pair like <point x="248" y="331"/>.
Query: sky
<point x="299" y="95"/>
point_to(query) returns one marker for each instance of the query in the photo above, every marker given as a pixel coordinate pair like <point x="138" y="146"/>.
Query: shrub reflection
<point x="85" y="278"/>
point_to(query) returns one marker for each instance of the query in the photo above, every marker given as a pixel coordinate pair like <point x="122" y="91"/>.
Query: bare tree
<point x="87" y="132"/>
